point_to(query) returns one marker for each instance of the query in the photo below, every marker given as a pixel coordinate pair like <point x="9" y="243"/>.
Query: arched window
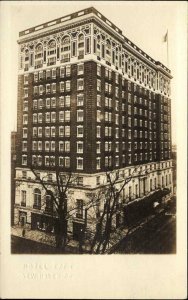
<point x="26" y="54"/>
<point x="98" y="45"/>
<point x="49" y="204"/>
<point x="65" y="44"/>
<point x="26" y="65"/>
<point x="117" y="58"/>
<point x="37" y="199"/>
<point x="108" y="51"/>
<point x="51" y="53"/>
<point x="65" y="49"/>
<point x="81" y="46"/>
<point x="39" y="56"/>
<point x="38" y="51"/>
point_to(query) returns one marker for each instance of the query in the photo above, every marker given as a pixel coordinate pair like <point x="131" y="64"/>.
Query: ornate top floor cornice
<point x="80" y="18"/>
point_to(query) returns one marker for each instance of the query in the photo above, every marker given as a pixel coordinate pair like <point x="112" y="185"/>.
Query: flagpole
<point x="167" y="51"/>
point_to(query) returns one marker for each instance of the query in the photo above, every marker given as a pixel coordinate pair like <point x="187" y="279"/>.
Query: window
<point x="98" y="163"/>
<point x="80" y="181"/>
<point x="53" y="88"/>
<point x="40" y="117"/>
<point x="37" y="199"/>
<point x="67" y="131"/>
<point x="61" y="116"/>
<point x="116" y="78"/>
<point x="35" y="118"/>
<point x="67" y="116"/>
<point x="61" y="101"/>
<point x="98" y="115"/>
<point x="61" y="131"/>
<point x="35" y="77"/>
<point x="62" y="86"/>
<point x="129" y="109"/>
<point x="53" y="102"/>
<point x="67" y="162"/>
<point x="79" y="210"/>
<point x="61" y="161"/>
<point x="99" y="100"/>
<point x="117" y="161"/>
<point x="98" y="147"/>
<point x="34" y="146"/>
<point x="80" y="115"/>
<point x="68" y="86"/>
<point x="47" y="131"/>
<point x="79" y="163"/>
<point x="25" y="119"/>
<point x="25" y="92"/>
<point x="67" y="146"/>
<point x="47" y="160"/>
<point x="62" y="72"/>
<point x="47" y="118"/>
<point x="35" y="90"/>
<point x="48" y="74"/>
<point x="41" y="89"/>
<point x="80" y="69"/>
<point x="53" y="146"/>
<point x="49" y="204"/>
<point x="80" y="84"/>
<point x="98" y="70"/>
<point x="80" y="99"/>
<point x="98" y="85"/>
<point x="79" y="147"/>
<point x="117" y="147"/>
<point x="47" y="146"/>
<point x="87" y="49"/>
<point x="80" y="131"/>
<point x="117" y="132"/>
<point x="53" y="117"/>
<point x="24" y="132"/>
<point x="25" y="106"/>
<point x="24" y="146"/>
<point x="23" y="198"/>
<point x="98" y="131"/>
<point x="116" y="119"/>
<point x="47" y="102"/>
<point x="39" y="145"/>
<point x="24" y="174"/>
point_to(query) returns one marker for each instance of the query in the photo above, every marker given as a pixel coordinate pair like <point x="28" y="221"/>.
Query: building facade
<point x="89" y="100"/>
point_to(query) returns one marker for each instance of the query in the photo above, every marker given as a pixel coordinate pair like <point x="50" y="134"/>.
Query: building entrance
<point x="78" y="229"/>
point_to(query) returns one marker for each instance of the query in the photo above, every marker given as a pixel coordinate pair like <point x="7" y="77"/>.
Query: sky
<point x="143" y="22"/>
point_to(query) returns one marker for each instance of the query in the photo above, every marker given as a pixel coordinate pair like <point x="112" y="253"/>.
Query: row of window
<point x="55" y="52"/>
<point x="37" y="160"/>
<point x="64" y="86"/>
<point x="53" y="73"/>
<point x="49" y="205"/>
<point x="50" y="161"/>
<point x="64" y="146"/>
<point x="51" y="117"/>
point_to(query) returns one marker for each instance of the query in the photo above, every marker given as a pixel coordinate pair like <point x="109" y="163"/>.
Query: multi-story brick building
<point x="89" y="100"/>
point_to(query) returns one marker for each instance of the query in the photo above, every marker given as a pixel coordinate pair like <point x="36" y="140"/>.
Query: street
<point x="20" y="245"/>
<point x="158" y="236"/>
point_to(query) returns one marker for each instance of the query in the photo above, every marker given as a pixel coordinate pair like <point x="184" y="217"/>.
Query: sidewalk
<point x="72" y="245"/>
<point x="46" y="238"/>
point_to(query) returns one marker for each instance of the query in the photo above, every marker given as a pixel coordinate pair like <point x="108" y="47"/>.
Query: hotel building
<point x="89" y="100"/>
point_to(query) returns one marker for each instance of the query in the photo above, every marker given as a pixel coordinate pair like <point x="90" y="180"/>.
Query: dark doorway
<point x="77" y="230"/>
<point x="23" y="218"/>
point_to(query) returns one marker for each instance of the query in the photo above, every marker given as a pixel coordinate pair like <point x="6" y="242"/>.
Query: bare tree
<point x="105" y="203"/>
<point x="59" y="197"/>
<point x="109" y="197"/>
